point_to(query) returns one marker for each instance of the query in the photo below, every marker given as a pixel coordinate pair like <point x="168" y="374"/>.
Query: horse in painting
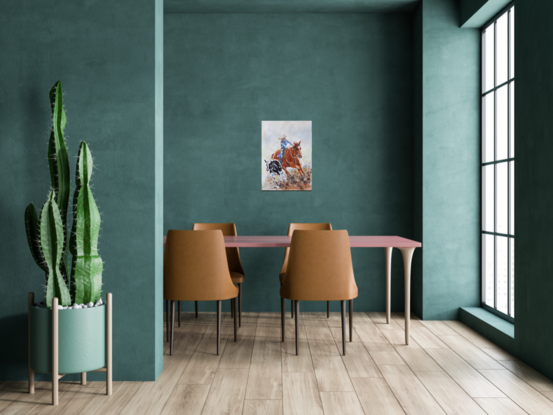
<point x="291" y="159"/>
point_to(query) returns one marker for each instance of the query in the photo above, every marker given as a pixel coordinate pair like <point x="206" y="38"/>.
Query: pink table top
<point x="279" y="241"/>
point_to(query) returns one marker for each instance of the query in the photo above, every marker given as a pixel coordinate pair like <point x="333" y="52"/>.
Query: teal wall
<point x="446" y="160"/>
<point x="533" y="190"/>
<point x="103" y="52"/>
<point x="348" y="73"/>
<point x="476" y="13"/>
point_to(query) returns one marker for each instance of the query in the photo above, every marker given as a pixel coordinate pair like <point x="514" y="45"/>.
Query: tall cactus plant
<point x="47" y="234"/>
<point x="87" y="264"/>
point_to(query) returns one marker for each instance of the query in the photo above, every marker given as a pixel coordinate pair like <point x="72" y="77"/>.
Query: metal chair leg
<point x="343" y="304"/>
<point x="350" y="320"/>
<point x="179" y="313"/>
<point x="196" y="309"/>
<point x="282" y="305"/>
<point x="167" y="320"/>
<point x="232" y="308"/>
<point x="172" y="326"/>
<point x="218" y="325"/>
<point x="328" y="309"/>
<point x="297" y="306"/>
<point x="239" y="305"/>
<point x="235" y="319"/>
<point x="292" y="308"/>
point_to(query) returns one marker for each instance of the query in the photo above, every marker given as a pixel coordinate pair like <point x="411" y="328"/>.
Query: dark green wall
<point x="349" y="74"/>
<point x="103" y="52"/>
<point x="533" y="189"/>
<point x="446" y="160"/>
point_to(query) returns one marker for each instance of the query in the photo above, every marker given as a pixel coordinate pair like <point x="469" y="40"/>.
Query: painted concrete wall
<point x="446" y="157"/>
<point x="103" y="52"/>
<point x="349" y="74"/>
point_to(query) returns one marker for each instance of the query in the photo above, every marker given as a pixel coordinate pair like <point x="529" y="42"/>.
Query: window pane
<point x="512" y="265"/>
<point x="512" y="119"/>
<point x="488" y="128"/>
<point x="512" y="198"/>
<point x="501" y="44"/>
<point x="488" y="268"/>
<point x="488" y="59"/>
<point x="502" y="263"/>
<point x="501" y="123"/>
<point x="488" y="198"/>
<point x="512" y="43"/>
<point x="502" y="198"/>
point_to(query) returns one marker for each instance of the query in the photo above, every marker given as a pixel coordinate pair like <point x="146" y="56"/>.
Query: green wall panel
<point x="446" y="156"/>
<point x="350" y="75"/>
<point x="533" y="190"/>
<point x="103" y="52"/>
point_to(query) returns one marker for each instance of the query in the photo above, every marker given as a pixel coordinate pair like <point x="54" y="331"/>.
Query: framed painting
<point x="286" y="148"/>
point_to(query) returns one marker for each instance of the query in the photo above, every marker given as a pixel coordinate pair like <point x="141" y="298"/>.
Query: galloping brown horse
<point x="291" y="159"/>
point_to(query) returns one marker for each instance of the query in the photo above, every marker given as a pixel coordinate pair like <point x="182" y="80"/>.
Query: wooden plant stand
<point x="55" y="350"/>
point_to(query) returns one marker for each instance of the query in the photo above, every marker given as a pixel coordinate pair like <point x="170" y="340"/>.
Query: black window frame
<point x="509" y="161"/>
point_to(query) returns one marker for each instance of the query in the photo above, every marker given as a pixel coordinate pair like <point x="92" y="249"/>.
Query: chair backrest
<point x="195" y="267"/>
<point x="305" y="227"/>
<point x="319" y="267"/>
<point x="228" y="229"/>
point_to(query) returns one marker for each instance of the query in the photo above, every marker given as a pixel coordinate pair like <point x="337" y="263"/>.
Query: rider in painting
<point x="284" y="144"/>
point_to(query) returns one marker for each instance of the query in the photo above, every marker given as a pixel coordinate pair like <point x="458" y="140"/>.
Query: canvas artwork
<point x="286" y="155"/>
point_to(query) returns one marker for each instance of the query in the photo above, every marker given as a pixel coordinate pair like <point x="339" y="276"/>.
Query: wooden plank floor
<point x="447" y="369"/>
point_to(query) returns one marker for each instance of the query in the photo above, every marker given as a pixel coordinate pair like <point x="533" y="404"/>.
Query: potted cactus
<point x="70" y="332"/>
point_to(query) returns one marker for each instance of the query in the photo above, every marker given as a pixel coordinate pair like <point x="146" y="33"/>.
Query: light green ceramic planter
<point x="82" y="339"/>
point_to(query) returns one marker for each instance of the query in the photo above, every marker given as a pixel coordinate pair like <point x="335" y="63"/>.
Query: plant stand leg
<point x="55" y="375"/>
<point x="109" y="340"/>
<point x="31" y="371"/>
<point x="83" y="378"/>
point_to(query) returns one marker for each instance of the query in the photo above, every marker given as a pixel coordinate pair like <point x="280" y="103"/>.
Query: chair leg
<point x="172" y="326"/>
<point x="350" y="320"/>
<point x="167" y="320"/>
<point x="282" y="305"/>
<point x="218" y="325"/>
<point x="328" y="309"/>
<point x="297" y="306"/>
<point x="179" y="313"/>
<point x="292" y="308"/>
<point x="343" y="304"/>
<point x="235" y="319"/>
<point x="239" y="305"/>
<point x="232" y="308"/>
<point x="196" y="309"/>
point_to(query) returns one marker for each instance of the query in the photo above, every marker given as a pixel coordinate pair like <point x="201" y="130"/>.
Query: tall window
<point x="498" y="165"/>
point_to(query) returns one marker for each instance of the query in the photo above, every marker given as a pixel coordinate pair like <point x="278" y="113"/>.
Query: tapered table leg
<point x="388" y="253"/>
<point x="407" y="258"/>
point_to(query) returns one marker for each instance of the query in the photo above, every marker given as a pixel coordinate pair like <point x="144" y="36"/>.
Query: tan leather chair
<point x="306" y="227"/>
<point x="233" y="259"/>
<point x="195" y="269"/>
<point x="320" y="269"/>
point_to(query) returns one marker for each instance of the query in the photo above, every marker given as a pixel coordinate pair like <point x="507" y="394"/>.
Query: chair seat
<point x="281" y="277"/>
<point x="236" y="277"/>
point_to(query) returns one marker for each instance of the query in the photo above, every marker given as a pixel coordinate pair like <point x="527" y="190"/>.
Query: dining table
<point x="405" y="246"/>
